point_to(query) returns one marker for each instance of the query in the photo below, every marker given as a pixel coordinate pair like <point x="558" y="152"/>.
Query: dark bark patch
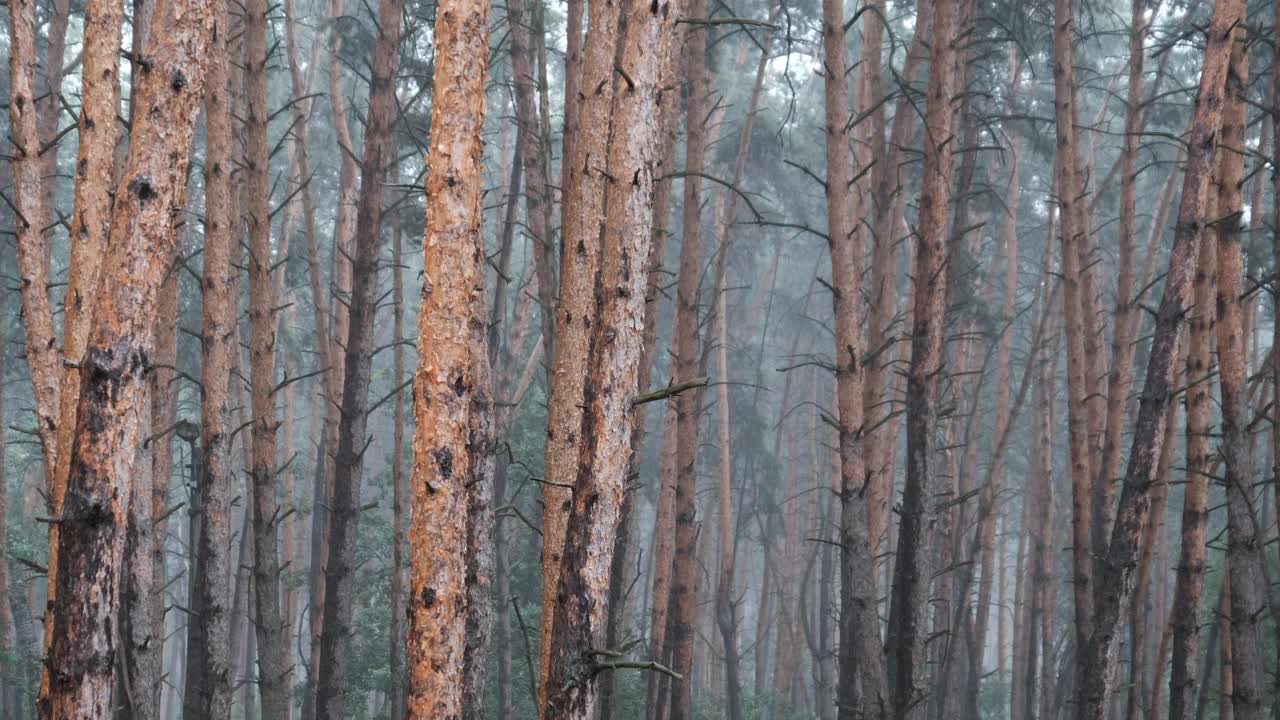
<point x="428" y="598"/>
<point x="177" y="81"/>
<point x="141" y="186"/>
<point x="444" y="460"/>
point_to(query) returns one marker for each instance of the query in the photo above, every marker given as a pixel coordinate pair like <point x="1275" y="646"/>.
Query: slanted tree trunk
<point x="617" y="339"/>
<point x="442" y="459"/>
<point x="335" y="636"/>
<point x="110" y="415"/>
<point x="1095" y="661"/>
<point x="908" y="612"/>
<point x="1244" y="535"/>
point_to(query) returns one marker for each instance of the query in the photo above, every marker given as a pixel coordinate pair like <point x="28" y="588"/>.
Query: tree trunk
<point x="269" y="626"/>
<point x="616" y="342"/>
<point x="1244" y="536"/>
<point x="398" y="485"/>
<point x="442" y="460"/>
<point x="579" y="264"/>
<point x="110" y="415"/>
<point x="208" y="673"/>
<point x="335" y="635"/>
<point x="907" y="631"/>
<point x="861" y="689"/>
<point x="684" y="598"/>
<point x="1095" y="661"/>
<point x="479" y="489"/>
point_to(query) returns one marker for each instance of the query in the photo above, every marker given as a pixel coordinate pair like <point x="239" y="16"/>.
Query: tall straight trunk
<point x="1244" y="535"/>
<point x="335" y="634"/>
<point x="398" y="485"/>
<point x="269" y="625"/>
<point x="575" y="315"/>
<point x="109" y="420"/>
<point x="51" y="106"/>
<point x="987" y="513"/>
<point x="207" y="694"/>
<point x="1119" y="379"/>
<point x="479" y="490"/>
<point x="1074" y="223"/>
<point x="625" y="543"/>
<point x="861" y="689"/>
<point x="335" y="307"/>
<point x="616" y="343"/>
<point x="684" y="598"/>
<point x="1275" y="298"/>
<point x="11" y="664"/>
<point x="888" y="181"/>
<point x="1226" y="649"/>
<point x="1185" y="616"/>
<point x="452" y="257"/>
<point x="1095" y="661"/>
<point x="664" y="538"/>
<point x="533" y="162"/>
<point x="907" y="632"/>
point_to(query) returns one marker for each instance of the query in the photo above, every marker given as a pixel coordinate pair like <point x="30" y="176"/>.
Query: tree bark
<point x="575" y="316"/>
<point x="335" y="635"/>
<point x="207" y="694"/>
<point x="907" y="630"/>
<point x="452" y="257"/>
<point x="578" y="654"/>
<point x="269" y="625"/>
<point x="861" y="690"/>
<point x="1095" y="662"/>
<point x="110" y="414"/>
<point x="1244" y="537"/>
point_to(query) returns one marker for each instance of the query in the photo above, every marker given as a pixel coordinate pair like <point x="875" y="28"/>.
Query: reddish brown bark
<point x="1095" y="665"/>
<point x="110" y="415"/>
<point x="1244" y="536"/>
<point x="575" y="316"/>
<point x="581" y="612"/>
<point x="452" y="257"/>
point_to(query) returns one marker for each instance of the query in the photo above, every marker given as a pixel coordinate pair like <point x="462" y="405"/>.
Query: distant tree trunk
<point x="581" y="613"/>
<point x="11" y="675"/>
<point x="110" y="418"/>
<point x="1120" y="377"/>
<point x="684" y="598"/>
<point x="575" y="316"/>
<point x="207" y="694"/>
<point x="861" y="690"/>
<point x="1226" y="649"/>
<point x="1275" y="298"/>
<point x="398" y="485"/>
<point x="888" y="178"/>
<point x="335" y="636"/>
<point x="908" y="611"/>
<point x="269" y="625"/>
<point x="443" y="397"/>
<point x="1185" y="616"/>
<point x="534" y="162"/>
<point x="1244" y="535"/>
<point x="332" y="310"/>
<point x="1095" y="661"/>
<point x="663" y="561"/>
<point x="1074" y="220"/>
